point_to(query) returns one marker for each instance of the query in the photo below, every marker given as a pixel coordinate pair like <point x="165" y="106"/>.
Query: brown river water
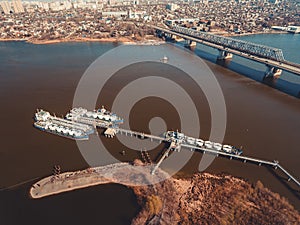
<point x="260" y="118"/>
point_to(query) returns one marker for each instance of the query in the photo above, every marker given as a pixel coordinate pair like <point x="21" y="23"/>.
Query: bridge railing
<point x="240" y="45"/>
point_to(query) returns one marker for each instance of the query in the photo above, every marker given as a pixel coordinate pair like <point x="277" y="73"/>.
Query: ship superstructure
<point x="97" y="118"/>
<point x="67" y="127"/>
<point x="79" y="123"/>
<point x="59" y="126"/>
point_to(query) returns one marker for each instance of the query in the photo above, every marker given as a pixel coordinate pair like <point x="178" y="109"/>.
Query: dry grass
<point x="212" y="199"/>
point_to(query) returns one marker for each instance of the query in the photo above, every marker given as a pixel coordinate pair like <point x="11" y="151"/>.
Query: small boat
<point x="217" y="146"/>
<point x="227" y="148"/>
<point x="190" y="140"/>
<point x="208" y="144"/>
<point x="165" y="59"/>
<point x="199" y="142"/>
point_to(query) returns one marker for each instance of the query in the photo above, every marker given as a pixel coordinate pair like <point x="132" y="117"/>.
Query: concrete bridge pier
<point x="223" y="55"/>
<point x="272" y="72"/>
<point x="159" y="33"/>
<point x="189" y="43"/>
<point x="162" y="35"/>
<point x="173" y="37"/>
<point x="178" y="38"/>
<point x="169" y="37"/>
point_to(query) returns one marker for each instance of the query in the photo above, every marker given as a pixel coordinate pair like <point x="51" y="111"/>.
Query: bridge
<point x="272" y="57"/>
<point x="178" y="146"/>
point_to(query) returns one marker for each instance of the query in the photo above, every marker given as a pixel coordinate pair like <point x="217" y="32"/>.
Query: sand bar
<point x="121" y="173"/>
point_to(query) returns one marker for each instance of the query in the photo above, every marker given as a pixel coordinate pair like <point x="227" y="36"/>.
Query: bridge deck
<point x="280" y="64"/>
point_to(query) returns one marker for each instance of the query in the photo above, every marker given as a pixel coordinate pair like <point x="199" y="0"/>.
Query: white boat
<point x="164" y="59"/>
<point x="199" y="142"/>
<point x="227" y="148"/>
<point x="96" y="116"/>
<point x="62" y="127"/>
<point x="294" y="29"/>
<point x="208" y="144"/>
<point x="217" y="146"/>
<point x="190" y="140"/>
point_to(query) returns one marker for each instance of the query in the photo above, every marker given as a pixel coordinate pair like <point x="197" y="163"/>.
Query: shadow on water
<point x="274" y="172"/>
<point x="158" y="156"/>
<point x="107" y="204"/>
<point x="280" y="84"/>
<point x="284" y="181"/>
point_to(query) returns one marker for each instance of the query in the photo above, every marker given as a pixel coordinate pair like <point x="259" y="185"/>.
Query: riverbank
<point x="127" y="40"/>
<point x="121" y="173"/>
<point x="122" y="40"/>
<point x="204" y="198"/>
<point x="12" y="39"/>
<point x="256" y="33"/>
<point x="226" y="34"/>
<point x="55" y="41"/>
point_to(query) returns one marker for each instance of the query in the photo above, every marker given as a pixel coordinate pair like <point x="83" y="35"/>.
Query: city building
<point x="172" y="6"/>
<point x="17" y="6"/>
<point x="5" y="7"/>
<point x="115" y="14"/>
<point x="274" y="1"/>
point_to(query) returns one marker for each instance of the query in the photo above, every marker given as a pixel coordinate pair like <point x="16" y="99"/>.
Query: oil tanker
<point x="62" y="127"/>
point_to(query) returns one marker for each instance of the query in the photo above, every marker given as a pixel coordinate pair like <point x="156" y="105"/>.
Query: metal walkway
<point x="166" y="154"/>
<point x="139" y="135"/>
<point x="275" y="164"/>
<point x="260" y="162"/>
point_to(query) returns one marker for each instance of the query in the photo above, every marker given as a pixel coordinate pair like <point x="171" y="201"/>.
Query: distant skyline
<point x="126" y="0"/>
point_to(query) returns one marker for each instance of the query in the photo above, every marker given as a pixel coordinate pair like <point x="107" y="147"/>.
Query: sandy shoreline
<point x="34" y="41"/>
<point x="119" y="173"/>
<point x="117" y="40"/>
<point x="11" y="39"/>
<point x="121" y="40"/>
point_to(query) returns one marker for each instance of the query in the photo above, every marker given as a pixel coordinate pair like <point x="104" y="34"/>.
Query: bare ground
<point x="201" y="199"/>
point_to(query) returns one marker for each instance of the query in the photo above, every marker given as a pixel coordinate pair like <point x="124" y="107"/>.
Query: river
<point x="262" y="119"/>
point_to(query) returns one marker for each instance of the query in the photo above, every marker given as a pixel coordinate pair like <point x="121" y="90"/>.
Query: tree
<point x="154" y="204"/>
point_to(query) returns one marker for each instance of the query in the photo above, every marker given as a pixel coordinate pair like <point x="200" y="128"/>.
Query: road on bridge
<point x="284" y="65"/>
